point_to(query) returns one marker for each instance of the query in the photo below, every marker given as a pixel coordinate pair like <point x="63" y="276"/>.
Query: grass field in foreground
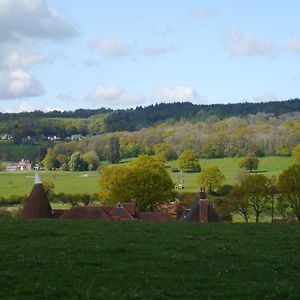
<point x="20" y="183"/>
<point x="135" y="260"/>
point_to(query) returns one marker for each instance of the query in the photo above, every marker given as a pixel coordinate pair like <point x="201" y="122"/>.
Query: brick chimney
<point x="203" y="206"/>
<point x="203" y="210"/>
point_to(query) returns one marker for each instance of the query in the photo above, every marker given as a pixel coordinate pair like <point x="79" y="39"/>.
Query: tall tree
<point x="163" y="152"/>
<point x="113" y="155"/>
<point x="250" y="163"/>
<point x="256" y="189"/>
<point x="289" y="188"/>
<point x="144" y="179"/>
<point x="111" y="183"/>
<point x="77" y="163"/>
<point x="188" y="161"/>
<point x="211" y="178"/>
<point x="236" y="202"/>
<point x="49" y="161"/>
<point x="296" y="154"/>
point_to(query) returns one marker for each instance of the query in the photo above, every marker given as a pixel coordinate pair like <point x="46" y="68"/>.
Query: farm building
<point x="38" y="206"/>
<point x="23" y="165"/>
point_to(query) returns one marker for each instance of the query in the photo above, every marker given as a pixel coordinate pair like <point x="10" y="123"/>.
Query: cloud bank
<point x="23" y="25"/>
<point x="112" y="95"/>
<point x="243" y="44"/>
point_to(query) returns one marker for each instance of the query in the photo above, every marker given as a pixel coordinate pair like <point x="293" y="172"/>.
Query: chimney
<point x="203" y="207"/>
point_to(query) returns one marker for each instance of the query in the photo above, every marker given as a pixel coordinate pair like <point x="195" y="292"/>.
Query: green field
<point x="269" y="166"/>
<point x="133" y="260"/>
<point x="20" y="183"/>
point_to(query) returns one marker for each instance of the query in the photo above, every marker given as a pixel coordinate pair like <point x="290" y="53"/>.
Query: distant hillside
<point x="140" y="117"/>
<point x="97" y="121"/>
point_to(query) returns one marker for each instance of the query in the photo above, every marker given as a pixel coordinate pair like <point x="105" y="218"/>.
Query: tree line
<point x="93" y="122"/>
<point x="255" y="135"/>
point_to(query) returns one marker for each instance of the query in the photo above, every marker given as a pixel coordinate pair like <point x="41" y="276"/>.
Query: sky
<point x="74" y="54"/>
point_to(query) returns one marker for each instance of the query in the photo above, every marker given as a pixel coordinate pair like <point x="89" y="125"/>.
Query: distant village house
<point x="23" y="165"/>
<point x="77" y="137"/>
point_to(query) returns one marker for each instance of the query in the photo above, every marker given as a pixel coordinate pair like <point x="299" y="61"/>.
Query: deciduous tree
<point x="112" y="179"/>
<point x="296" y="154"/>
<point x="163" y="151"/>
<point x="113" y="155"/>
<point x="188" y="161"/>
<point x="289" y="188"/>
<point x="2" y="166"/>
<point x="256" y="188"/>
<point x="250" y="163"/>
<point x="211" y="178"/>
<point x="237" y="202"/>
<point x="77" y="162"/>
<point x="144" y="179"/>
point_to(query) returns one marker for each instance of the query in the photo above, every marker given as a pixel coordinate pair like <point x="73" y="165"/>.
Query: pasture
<point x="20" y="183"/>
<point x="63" y="259"/>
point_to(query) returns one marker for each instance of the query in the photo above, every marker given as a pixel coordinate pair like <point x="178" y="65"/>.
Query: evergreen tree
<point x="113" y="155"/>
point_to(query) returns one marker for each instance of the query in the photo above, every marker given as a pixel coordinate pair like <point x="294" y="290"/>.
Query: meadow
<point x="20" y="183"/>
<point x="64" y="259"/>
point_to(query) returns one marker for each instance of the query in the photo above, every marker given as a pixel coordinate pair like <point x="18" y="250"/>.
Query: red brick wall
<point x="203" y="210"/>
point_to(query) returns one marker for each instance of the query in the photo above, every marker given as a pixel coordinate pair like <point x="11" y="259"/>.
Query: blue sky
<point x="89" y="54"/>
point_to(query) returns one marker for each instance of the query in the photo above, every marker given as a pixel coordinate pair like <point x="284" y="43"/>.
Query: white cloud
<point x="23" y="24"/>
<point x="157" y="51"/>
<point x="179" y="93"/>
<point x="33" y="19"/>
<point x="293" y="44"/>
<point x="267" y="97"/>
<point x="112" y="95"/>
<point x="241" y="44"/>
<point x="26" y="107"/>
<point x="110" y="47"/>
<point x="21" y="58"/>
<point x="200" y="12"/>
<point x="19" y="84"/>
<point x="65" y="97"/>
<point x="29" y="107"/>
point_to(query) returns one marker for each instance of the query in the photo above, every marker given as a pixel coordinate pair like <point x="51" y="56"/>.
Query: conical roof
<point x="37" y="205"/>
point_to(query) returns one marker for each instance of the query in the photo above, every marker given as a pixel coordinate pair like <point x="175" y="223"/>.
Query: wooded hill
<point x="93" y="122"/>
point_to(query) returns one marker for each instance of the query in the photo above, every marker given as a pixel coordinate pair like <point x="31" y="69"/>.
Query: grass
<point x="47" y="259"/>
<point x="20" y="183"/>
<point x="269" y="166"/>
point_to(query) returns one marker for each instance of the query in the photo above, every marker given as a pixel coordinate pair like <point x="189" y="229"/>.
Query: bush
<point x="10" y="212"/>
<point x="175" y="170"/>
<point x="65" y="167"/>
<point x="76" y="199"/>
<point x="12" y="200"/>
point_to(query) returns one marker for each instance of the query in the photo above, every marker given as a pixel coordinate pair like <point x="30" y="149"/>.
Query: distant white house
<point x="23" y="165"/>
<point x="53" y="138"/>
<point x="77" y="137"/>
<point x="5" y="136"/>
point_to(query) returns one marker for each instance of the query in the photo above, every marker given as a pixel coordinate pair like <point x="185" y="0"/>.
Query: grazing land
<point x="269" y="166"/>
<point x="19" y="183"/>
<point x="47" y="259"/>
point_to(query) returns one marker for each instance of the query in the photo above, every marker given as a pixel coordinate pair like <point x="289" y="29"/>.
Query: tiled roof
<point x="154" y="216"/>
<point x="37" y="205"/>
<point x="86" y="212"/>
